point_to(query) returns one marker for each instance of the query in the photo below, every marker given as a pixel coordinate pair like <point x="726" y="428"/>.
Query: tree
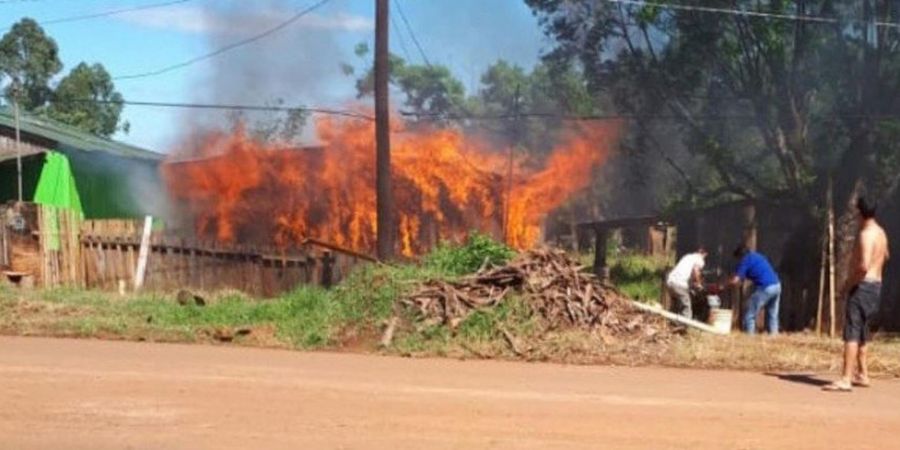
<point x="430" y="92"/>
<point x="771" y="107"/>
<point x="283" y="127"/>
<point x="28" y="61"/>
<point x="533" y="104"/>
<point x="87" y="99"/>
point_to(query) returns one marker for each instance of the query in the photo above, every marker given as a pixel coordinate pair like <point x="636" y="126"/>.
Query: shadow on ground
<point x="802" y="378"/>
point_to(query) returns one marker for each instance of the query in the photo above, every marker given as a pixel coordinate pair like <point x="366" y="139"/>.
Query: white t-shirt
<point x="680" y="276"/>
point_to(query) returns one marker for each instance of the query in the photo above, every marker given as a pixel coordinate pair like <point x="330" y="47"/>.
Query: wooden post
<point x="143" y="253"/>
<point x="601" y="236"/>
<point x="821" y="303"/>
<point x="383" y="192"/>
<point x="830" y="205"/>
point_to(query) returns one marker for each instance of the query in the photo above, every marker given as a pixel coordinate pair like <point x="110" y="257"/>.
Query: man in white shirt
<point x="686" y="274"/>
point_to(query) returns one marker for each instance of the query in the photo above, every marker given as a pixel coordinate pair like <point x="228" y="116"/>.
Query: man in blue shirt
<point x="755" y="267"/>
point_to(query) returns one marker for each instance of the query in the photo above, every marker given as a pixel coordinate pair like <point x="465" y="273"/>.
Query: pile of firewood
<point x="553" y="285"/>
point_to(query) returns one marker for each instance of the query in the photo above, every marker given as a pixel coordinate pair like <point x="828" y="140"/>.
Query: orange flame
<point x="445" y="184"/>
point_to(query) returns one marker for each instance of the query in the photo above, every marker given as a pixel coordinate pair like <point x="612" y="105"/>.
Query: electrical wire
<point x="400" y="39"/>
<point x="112" y="12"/>
<point x="107" y="13"/>
<point x="412" y="34"/>
<point x="232" y="107"/>
<point x="436" y="116"/>
<point x="228" y="47"/>
<point x="746" y="13"/>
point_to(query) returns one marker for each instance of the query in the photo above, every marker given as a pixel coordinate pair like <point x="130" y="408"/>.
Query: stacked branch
<point x="554" y="286"/>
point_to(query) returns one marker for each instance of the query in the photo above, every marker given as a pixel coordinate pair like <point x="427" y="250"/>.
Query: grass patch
<point x="478" y="249"/>
<point x="638" y="276"/>
<point x="353" y="314"/>
<point x="306" y="318"/>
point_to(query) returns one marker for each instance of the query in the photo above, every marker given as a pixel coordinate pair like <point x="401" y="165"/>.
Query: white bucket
<point x="720" y="319"/>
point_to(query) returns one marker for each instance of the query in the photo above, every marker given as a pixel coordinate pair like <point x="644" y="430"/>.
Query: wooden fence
<point x="59" y="250"/>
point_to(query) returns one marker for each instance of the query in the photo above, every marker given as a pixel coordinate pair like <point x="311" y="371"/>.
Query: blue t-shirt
<point x="756" y="268"/>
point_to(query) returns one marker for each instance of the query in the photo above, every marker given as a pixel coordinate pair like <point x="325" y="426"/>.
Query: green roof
<point x="68" y="137"/>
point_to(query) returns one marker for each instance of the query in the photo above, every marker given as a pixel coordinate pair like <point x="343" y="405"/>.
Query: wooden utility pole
<point x="516" y="139"/>
<point x="18" y="139"/>
<point x="383" y="194"/>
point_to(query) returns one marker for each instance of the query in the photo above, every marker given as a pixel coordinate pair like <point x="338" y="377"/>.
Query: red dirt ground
<point x="78" y="394"/>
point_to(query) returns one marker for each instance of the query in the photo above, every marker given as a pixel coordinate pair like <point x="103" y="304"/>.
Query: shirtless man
<point x="865" y="275"/>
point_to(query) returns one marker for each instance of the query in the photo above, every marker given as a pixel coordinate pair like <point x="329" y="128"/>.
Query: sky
<point x="299" y="65"/>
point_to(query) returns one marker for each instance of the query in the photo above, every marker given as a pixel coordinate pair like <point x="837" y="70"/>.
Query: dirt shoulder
<point x="311" y="321"/>
<point x="88" y="394"/>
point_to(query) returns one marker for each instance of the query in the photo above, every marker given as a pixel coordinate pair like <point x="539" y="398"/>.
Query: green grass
<point x="478" y="249"/>
<point x="308" y="317"/>
<point x="638" y="276"/>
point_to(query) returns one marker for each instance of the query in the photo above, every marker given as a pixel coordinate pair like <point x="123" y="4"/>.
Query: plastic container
<point x="720" y="319"/>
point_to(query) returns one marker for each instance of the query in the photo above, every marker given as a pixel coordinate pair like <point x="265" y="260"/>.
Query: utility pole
<point x="507" y="236"/>
<point x="383" y="194"/>
<point x="18" y="138"/>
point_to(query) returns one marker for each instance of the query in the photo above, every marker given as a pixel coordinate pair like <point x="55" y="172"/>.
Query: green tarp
<point x="56" y="186"/>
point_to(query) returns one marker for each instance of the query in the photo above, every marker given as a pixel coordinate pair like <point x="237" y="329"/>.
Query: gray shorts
<point x="861" y="308"/>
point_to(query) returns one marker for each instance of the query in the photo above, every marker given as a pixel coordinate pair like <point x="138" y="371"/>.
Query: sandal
<point x="859" y="381"/>
<point x="838" y="386"/>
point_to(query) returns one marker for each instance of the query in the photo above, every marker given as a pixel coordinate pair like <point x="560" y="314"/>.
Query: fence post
<point x="143" y="254"/>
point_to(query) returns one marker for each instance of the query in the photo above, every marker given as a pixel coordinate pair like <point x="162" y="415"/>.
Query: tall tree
<point x="430" y="92"/>
<point x="28" y="61"/>
<point x="773" y="106"/>
<point x="87" y="99"/>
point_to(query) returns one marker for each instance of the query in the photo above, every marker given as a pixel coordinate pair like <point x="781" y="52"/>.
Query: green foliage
<point x="87" y="99"/>
<point x="513" y="314"/>
<point x="789" y="88"/>
<point x="479" y="249"/>
<point x="430" y="90"/>
<point x="28" y="59"/>
<point x="638" y="276"/>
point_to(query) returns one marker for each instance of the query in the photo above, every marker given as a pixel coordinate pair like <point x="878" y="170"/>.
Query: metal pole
<point x="383" y="193"/>
<point x="18" y="146"/>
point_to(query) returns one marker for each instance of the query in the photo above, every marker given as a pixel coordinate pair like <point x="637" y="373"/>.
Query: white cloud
<point x="207" y="21"/>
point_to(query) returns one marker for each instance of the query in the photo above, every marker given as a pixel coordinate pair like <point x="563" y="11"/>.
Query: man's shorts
<point x="861" y="309"/>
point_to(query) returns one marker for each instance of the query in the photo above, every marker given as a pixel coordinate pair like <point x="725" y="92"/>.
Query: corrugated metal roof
<point x="9" y="149"/>
<point x="68" y="137"/>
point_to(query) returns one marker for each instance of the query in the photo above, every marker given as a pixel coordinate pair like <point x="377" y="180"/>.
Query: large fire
<point x="445" y="185"/>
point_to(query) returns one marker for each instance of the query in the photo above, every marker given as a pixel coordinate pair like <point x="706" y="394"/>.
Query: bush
<point x="479" y="249"/>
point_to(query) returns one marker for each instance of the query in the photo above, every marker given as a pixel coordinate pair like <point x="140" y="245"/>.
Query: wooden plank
<point x="143" y="254"/>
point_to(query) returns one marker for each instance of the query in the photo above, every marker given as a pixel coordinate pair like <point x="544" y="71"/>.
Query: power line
<point x="746" y="13"/>
<point x="601" y="117"/>
<point x="565" y="117"/>
<point x="437" y="116"/>
<point x="106" y="13"/>
<point x="228" y="47"/>
<point x="225" y="106"/>
<point x="412" y="34"/>
<point x="400" y="38"/>
<point x="112" y="12"/>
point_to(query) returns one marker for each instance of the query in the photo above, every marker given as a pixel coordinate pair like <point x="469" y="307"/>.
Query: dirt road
<point x="69" y="394"/>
